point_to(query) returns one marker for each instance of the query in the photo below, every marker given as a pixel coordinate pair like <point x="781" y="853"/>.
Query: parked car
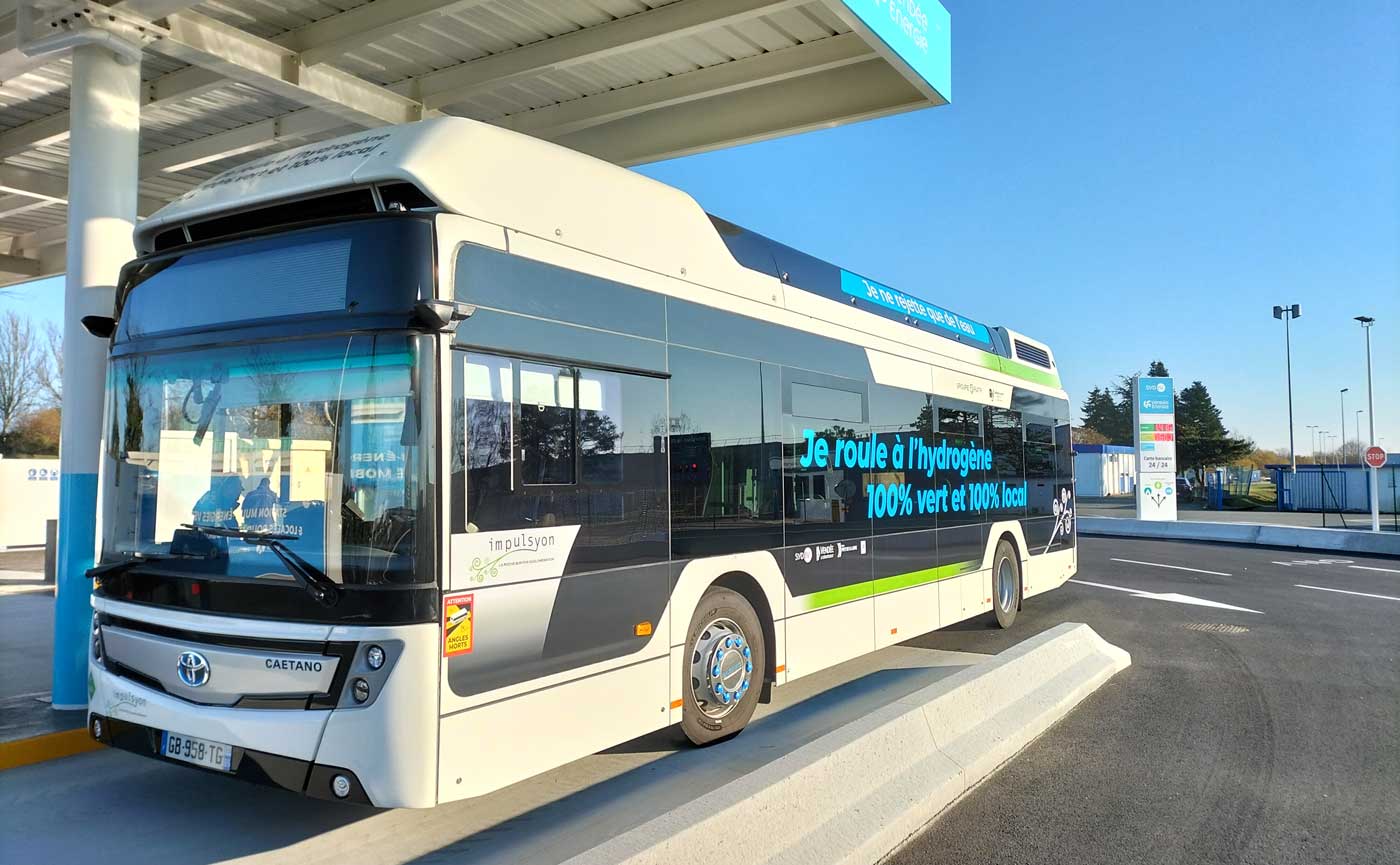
<point x="1185" y="490"/>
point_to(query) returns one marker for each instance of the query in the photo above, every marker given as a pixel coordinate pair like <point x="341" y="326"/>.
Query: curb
<point x="859" y="792"/>
<point x="1257" y="534"/>
<point x="50" y="746"/>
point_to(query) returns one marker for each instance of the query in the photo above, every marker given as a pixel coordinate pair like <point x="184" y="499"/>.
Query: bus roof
<point x="537" y="188"/>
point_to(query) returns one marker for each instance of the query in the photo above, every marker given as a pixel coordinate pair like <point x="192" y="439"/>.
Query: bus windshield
<point x="316" y="444"/>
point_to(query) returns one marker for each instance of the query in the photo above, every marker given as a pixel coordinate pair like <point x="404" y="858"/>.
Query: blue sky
<point x="1127" y="181"/>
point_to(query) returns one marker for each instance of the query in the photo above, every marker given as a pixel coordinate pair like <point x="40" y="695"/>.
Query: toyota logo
<point x="193" y="669"/>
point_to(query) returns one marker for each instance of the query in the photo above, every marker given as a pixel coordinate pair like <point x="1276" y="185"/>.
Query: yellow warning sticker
<point x="457" y="624"/>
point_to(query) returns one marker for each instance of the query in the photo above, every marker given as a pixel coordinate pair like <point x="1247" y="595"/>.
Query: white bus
<point x="438" y="456"/>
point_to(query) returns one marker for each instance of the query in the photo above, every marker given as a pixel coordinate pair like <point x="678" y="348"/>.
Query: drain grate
<point x="1216" y="628"/>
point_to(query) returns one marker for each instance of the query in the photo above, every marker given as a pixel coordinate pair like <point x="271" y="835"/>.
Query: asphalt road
<point x="1235" y="737"/>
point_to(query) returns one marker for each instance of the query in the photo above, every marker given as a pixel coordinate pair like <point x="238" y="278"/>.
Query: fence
<point x="1343" y="491"/>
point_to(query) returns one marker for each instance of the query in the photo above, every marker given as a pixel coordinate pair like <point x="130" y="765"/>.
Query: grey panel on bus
<point x="490" y="278"/>
<point x="232" y="673"/>
<point x="697" y="326"/>
<point x="527" y="630"/>
<point x="507" y="333"/>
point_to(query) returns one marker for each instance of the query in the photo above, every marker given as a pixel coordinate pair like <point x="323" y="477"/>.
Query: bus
<point x="437" y="456"/>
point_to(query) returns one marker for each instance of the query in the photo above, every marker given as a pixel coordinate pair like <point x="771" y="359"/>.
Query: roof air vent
<point x="1032" y="354"/>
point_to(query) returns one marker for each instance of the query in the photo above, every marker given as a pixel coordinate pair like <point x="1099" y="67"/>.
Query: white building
<point x="1104" y="470"/>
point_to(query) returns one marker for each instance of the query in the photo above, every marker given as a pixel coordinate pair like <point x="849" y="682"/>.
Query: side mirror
<point x="100" y="326"/>
<point x="441" y="315"/>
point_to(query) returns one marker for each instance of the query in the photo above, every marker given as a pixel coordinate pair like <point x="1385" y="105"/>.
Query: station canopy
<point x="630" y="81"/>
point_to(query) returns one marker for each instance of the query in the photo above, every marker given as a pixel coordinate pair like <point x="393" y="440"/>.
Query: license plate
<point x="201" y="752"/>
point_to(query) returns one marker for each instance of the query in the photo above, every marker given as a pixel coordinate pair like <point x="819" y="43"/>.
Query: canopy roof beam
<point x="17" y="265"/>
<point x="612" y="105"/>
<point x="221" y="51"/>
<point x="324" y="40"/>
<point x="202" y="41"/>
<point x="664" y="23"/>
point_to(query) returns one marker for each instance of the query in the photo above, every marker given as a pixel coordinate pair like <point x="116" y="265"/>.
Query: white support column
<point x="105" y="115"/>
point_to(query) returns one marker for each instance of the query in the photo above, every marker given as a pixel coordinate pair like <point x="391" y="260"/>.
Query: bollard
<point x="50" y="551"/>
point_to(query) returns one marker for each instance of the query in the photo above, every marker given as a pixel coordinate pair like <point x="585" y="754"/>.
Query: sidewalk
<point x="1122" y="507"/>
<point x="23" y="571"/>
<point x="30" y="730"/>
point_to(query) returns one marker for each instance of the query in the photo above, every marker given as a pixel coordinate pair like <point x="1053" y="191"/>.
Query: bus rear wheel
<point x="725" y="655"/>
<point x="1006" y="583"/>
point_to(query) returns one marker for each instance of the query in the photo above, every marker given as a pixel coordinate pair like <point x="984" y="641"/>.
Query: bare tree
<point x="20" y="357"/>
<point x="50" y="370"/>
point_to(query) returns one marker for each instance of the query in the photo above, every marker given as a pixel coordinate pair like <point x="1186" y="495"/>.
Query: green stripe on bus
<point x="1020" y="370"/>
<point x="917" y="578"/>
<point x="844" y="594"/>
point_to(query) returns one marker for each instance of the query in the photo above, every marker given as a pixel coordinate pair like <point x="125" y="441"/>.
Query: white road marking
<point x="1345" y="592"/>
<point x="1174" y="597"/>
<point x="1173" y="567"/>
<point x="1382" y="570"/>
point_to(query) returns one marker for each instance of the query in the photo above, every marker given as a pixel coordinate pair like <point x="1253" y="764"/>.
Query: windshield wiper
<point x="116" y="569"/>
<point x="307" y="575"/>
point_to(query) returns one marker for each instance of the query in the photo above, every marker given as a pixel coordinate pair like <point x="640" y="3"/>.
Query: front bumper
<point x="259" y="767"/>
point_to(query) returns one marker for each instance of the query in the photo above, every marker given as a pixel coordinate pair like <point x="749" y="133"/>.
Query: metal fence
<point x="1340" y="493"/>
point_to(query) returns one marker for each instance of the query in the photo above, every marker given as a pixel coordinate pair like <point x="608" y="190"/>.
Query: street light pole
<point x="1288" y="313"/>
<point x="1312" y="432"/>
<point x="1341" y="451"/>
<point x="1366" y="322"/>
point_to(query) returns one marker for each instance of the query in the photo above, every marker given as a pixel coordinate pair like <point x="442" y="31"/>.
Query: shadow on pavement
<point x="117" y="808"/>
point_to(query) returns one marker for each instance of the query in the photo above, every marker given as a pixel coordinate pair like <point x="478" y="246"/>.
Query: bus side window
<point x="482" y="434"/>
<point x="547" y="424"/>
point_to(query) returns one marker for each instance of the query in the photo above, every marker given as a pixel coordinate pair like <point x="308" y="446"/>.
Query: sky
<point x="1127" y="182"/>
<point x="1130" y="182"/>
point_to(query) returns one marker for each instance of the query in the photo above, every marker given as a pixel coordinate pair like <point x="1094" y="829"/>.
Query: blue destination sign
<point x="891" y="298"/>
<point x="918" y="32"/>
<point x="1155" y="396"/>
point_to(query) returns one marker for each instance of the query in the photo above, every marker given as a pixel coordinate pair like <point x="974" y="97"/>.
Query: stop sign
<point x="1375" y="457"/>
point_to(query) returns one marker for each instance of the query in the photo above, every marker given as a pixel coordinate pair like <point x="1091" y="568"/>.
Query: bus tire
<point x="1006" y="583"/>
<point x="725" y="659"/>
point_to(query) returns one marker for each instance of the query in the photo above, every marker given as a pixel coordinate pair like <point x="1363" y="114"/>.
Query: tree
<point x="36" y="435"/>
<point x="1260" y="457"/>
<point x="1201" y="437"/>
<point x="20" y="358"/>
<point x="50" y="369"/>
<point x="1085" y="435"/>
<point x="1106" y="416"/>
<point x="1157" y="369"/>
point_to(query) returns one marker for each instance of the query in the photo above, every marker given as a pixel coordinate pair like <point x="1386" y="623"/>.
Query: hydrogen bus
<point x="437" y="456"/>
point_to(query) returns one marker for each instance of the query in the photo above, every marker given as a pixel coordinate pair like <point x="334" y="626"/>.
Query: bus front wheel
<point x="726" y="663"/>
<point x="1006" y="583"/>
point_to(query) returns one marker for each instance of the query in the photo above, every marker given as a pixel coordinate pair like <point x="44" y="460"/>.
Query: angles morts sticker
<point x="457" y="624"/>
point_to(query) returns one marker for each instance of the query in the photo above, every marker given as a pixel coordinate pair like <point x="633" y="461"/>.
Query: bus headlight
<point x="374" y="656"/>
<point x="96" y="638"/>
<point x="359" y="689"/>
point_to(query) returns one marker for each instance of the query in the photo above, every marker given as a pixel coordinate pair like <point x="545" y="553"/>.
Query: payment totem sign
<point x="1154" y="437"/>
